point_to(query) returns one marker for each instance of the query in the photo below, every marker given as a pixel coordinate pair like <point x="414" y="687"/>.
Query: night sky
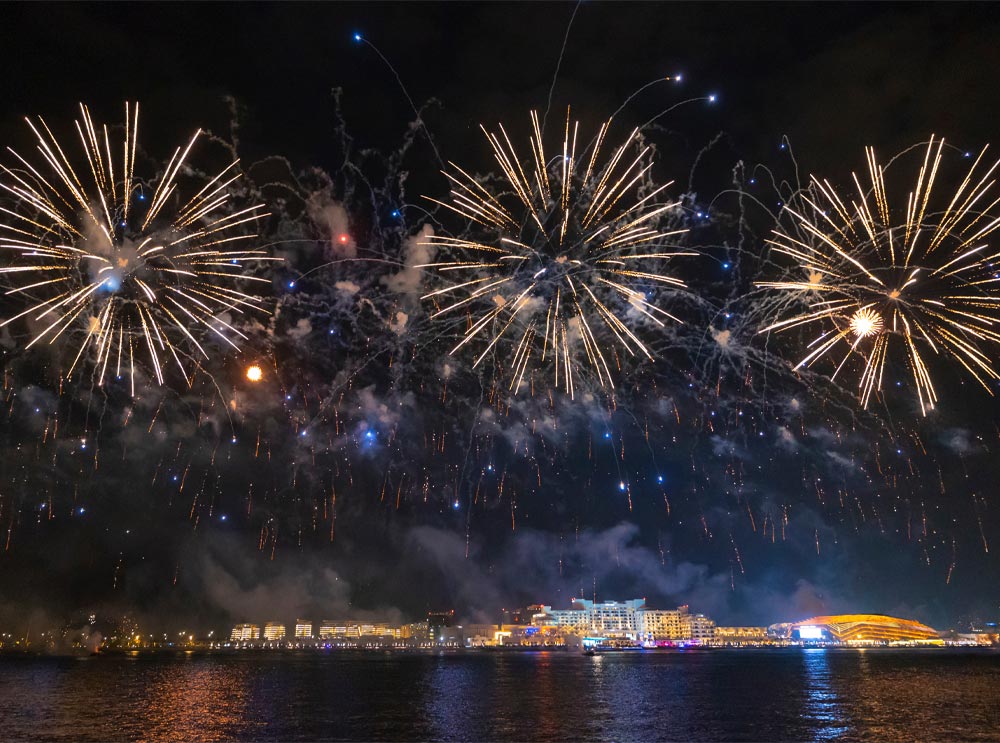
<point x="371" y="473"/>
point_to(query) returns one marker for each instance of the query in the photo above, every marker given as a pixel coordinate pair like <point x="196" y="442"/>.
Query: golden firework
<point x="872" y="282"/>
<point x="866" y="322"/>
<point x="133" y="273"/>
<point x="567" y="254"/>
<point x="254" y="373"/>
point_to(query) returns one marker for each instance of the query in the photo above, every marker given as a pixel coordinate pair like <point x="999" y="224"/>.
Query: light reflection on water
<point x="891" y="695"/>
<point x="822" y="704"/>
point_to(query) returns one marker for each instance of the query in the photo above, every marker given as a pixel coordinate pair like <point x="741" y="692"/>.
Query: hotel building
<point x="630" y="619"/>
<point x="303" y="629"/>
<point x="245" y="633"/>
<point x="274" y="631"/>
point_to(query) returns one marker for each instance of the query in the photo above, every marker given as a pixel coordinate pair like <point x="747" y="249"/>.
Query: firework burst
<point x="568" y="254"/>
<point x="132" y="273"/>
<point x="878" y="288"/>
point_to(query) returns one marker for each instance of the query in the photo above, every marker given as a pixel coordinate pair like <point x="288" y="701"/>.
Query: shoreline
<point x="373" y="652"/>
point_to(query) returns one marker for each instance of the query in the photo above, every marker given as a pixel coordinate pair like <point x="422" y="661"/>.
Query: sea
<point x="680" y="695"/>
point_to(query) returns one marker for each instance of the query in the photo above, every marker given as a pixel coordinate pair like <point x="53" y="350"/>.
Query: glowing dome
<point x="857" y="629"/>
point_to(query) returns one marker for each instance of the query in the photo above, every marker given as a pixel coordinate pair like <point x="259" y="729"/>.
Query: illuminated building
<point x="661" y="624"/>
<point x="479" y="635"/>
<point x="700" y="627"/>
<point x="303" y="629"/>
<point x="856" y="629"/>
<point x="327" y="629"/>
<point x="616" y="618"/>
<point x="567" y="619"/>
<point x="673" y="625"/>
<point x="245" y="632"/>
<point x="740" y="635"/>
<point x="274" y="631"/>
<point x="414" y="631"/>
<point x="376" y="629"/>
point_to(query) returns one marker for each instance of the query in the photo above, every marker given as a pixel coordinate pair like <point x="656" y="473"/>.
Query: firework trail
<point x="135" y="273"/>
<point x="876" y="287"/>
<point x="580" y="250"/>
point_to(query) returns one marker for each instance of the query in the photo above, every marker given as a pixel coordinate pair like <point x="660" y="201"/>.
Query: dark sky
<point x="781" y="502"/>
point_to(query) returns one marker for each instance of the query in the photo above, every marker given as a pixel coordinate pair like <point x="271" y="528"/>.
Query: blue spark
<point x="659" y="478"/>
<point x="357" y="36"/>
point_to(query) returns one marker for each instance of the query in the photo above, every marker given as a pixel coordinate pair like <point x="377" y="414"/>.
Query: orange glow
<point x="872" y="628"/>
<point x="255" y="373"/>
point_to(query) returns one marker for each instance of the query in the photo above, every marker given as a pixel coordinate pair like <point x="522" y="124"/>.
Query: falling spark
<point x="568" y="255"/>
<point x="134" y="276"/>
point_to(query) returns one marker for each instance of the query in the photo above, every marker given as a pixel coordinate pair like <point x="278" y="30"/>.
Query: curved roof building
<point x="854" y="629"/>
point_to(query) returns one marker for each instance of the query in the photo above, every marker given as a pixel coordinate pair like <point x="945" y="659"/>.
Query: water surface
<point x="739" y="695"/>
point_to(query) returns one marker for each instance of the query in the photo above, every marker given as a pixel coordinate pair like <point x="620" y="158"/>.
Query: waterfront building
<point x="673" y="625"/>
<point x="245" y="633"/>
<point x="480" y="635"/>
<point x="610" y="618"/>
<point x="662" y="624"/>
<point x="375" y="629"/>
<point x="740" y="635"/>
<point x="702" y="629"/>
<point x="274" y="631"/>
<point x="630" y="619"/>
<point x="614" y="618"/>
<point x="856" y="629"/>
<point x="326" y="629"/>
<point x="303" y="629"/>
<point x="573" y="619"/>
<point x="414" y="631"/>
